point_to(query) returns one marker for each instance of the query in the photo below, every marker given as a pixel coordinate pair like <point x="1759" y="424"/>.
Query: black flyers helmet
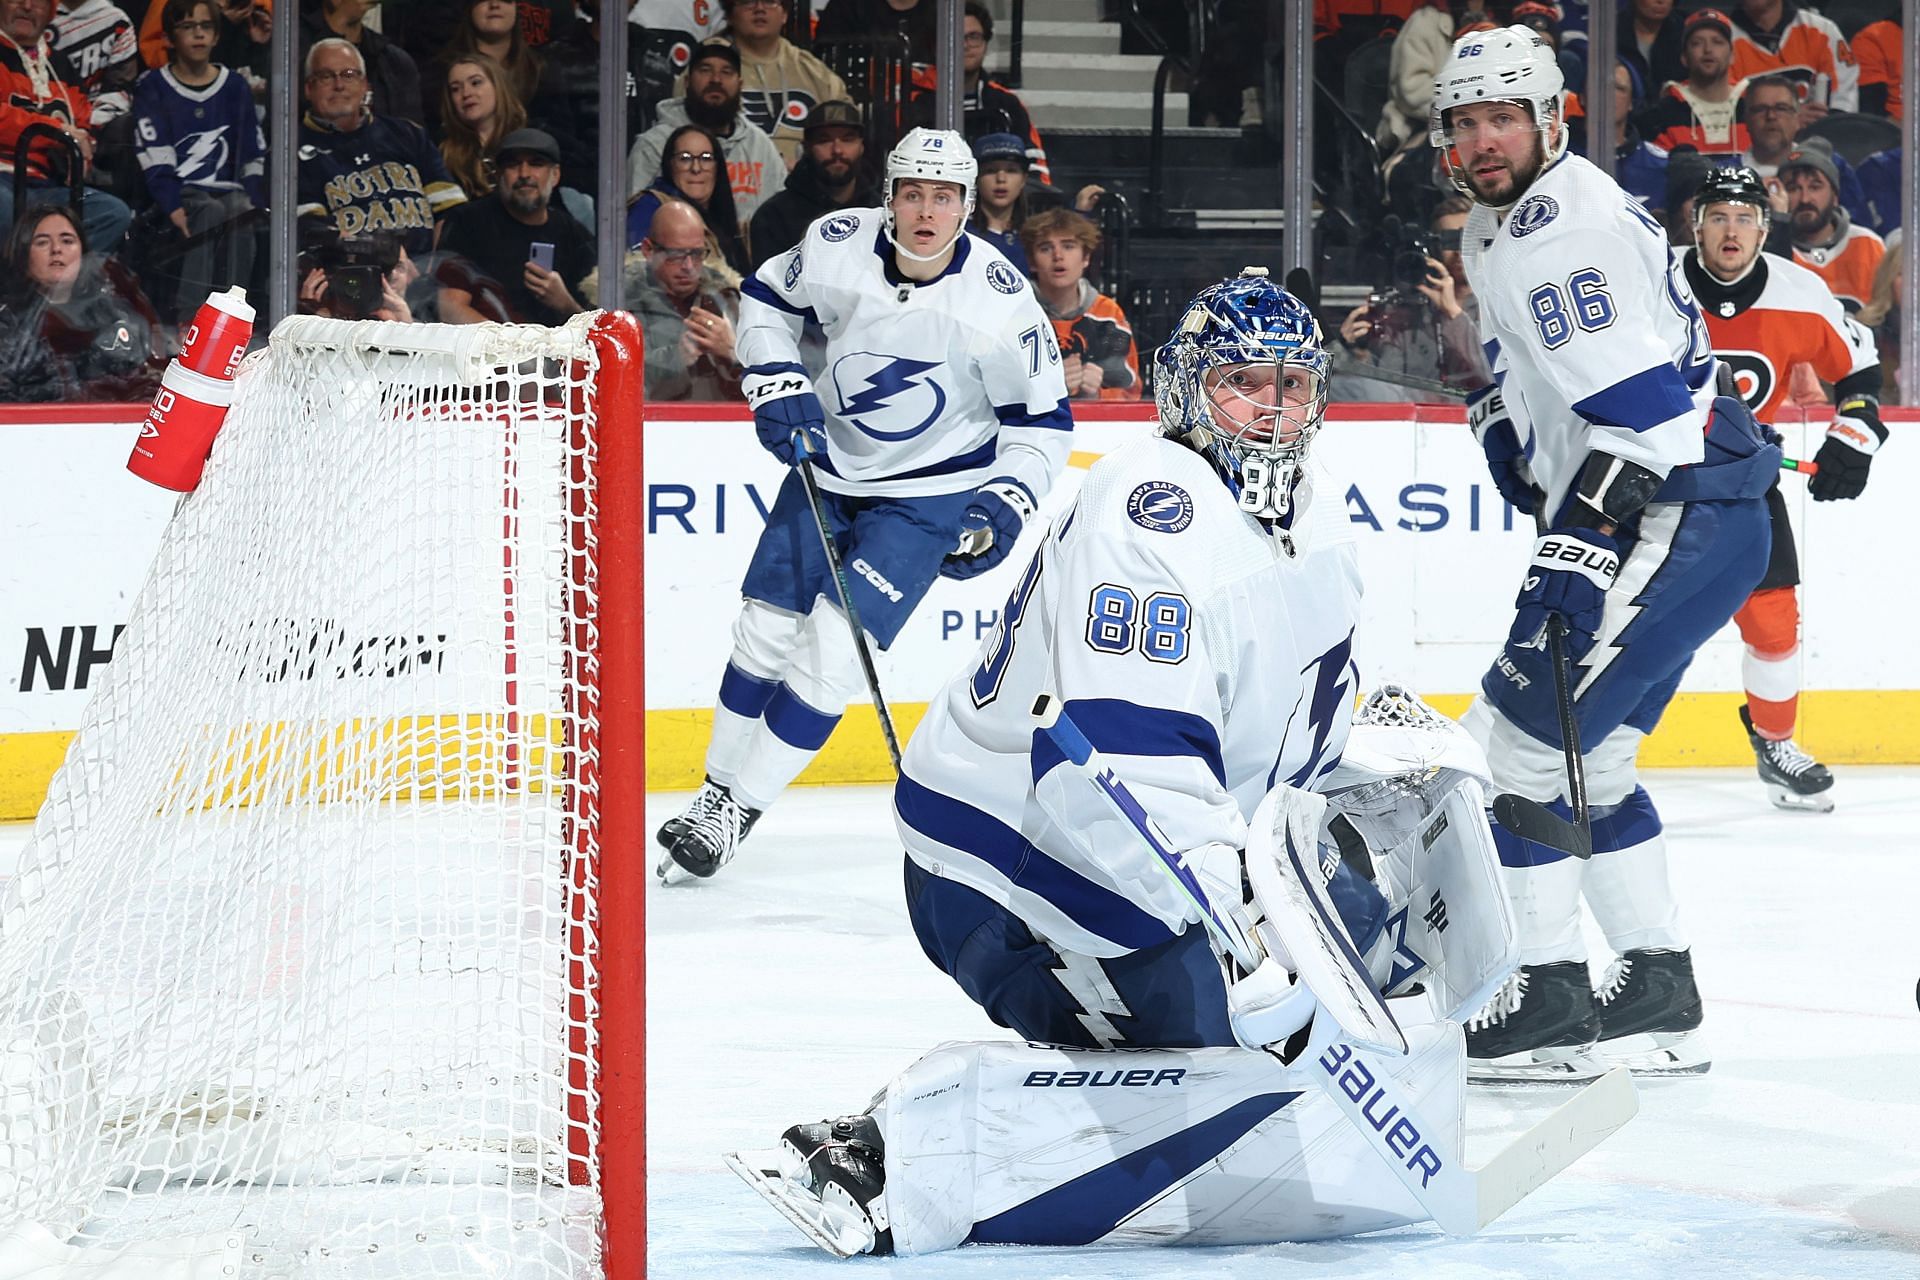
<point x="1737" y="185"/>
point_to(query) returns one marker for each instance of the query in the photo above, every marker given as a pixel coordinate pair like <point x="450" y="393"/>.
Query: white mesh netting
<point x="298" y="960"/>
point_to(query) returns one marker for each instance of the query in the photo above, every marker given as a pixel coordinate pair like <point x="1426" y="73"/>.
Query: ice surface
<point x="790" y="988"/>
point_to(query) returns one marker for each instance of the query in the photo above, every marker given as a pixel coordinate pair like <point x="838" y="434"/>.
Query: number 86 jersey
<point x="1590" y="327"/>
<point x="1206" y="657"/>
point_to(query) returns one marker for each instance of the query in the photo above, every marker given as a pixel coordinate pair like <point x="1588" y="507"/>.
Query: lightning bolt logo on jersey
<point x="888" y="397"/>
<point x="929" y="386"/>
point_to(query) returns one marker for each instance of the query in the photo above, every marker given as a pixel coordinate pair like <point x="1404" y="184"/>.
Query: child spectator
<point x="477" y="108"/>
<point x="1097" y="351"/>
<point x="202" y="152"/>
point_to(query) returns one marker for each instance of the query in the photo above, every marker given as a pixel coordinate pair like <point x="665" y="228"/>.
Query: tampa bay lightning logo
<point x="1004" y="278"/>
<point x="1161" y="506"/>
<point x="887" y="397"/>
<point x="1534" y="213"/>
<point x="839" y="227"/>
<point x="792" y="276"/>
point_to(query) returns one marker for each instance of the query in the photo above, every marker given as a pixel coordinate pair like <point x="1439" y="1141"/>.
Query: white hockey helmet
<point x="1508" y="64"/>
<point x="931" y="155"/>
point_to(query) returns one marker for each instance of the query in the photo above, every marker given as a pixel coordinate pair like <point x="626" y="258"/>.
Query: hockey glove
<point x="1847" y="451"/>
<point x="992" y="524"/>
<point x="1569" y="577"/>
<point x="786" y="413"/>
<point x="1493" y="427"/>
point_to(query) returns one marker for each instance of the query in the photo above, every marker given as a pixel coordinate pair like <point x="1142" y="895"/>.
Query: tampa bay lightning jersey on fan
<point x="206" y="136"/>
<point x="1591" y="327"/>
<point x="933" y="388"/>
<point x="1206" y="657"/>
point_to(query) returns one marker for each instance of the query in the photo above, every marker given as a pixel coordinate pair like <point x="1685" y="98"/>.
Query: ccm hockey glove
<point x="1848" y="450"/>
<point x="992" y="524"/>
<point x="786" y="413"/>
<point x="1569" y="577"/>
<point x="1493" y="427"/>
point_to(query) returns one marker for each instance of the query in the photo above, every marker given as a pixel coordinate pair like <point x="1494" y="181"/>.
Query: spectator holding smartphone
<point x="518" y="239"/>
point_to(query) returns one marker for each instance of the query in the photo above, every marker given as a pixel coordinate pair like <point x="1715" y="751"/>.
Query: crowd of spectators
<point x="448" y="158"/>
<point x="1776" y="85"/>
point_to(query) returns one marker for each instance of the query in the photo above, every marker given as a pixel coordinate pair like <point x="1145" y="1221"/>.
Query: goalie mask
<point x="1243" y="381"/>
<point x="1512" y="65"/>
<point x="931" y="155"/>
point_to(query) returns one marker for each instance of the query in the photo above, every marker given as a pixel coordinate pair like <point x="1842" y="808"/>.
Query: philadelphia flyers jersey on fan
<point x="1848" y="264"/>
<point x="1806" y="48"/>
<point x="1776" y="316"/>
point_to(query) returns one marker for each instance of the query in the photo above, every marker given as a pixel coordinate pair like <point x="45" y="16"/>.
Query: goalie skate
<point x="1794" y="779"/>
<point x="1650" y="1015"/>
<point x="1539" y="1028"/>
<point x="825" y="1179"/>
<point x="704" y="838"/>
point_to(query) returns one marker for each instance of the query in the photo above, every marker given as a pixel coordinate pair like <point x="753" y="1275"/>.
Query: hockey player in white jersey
<point x="1604" y="422"/>
<point x="1194" y="614"/>
<point x="941" y="421"/>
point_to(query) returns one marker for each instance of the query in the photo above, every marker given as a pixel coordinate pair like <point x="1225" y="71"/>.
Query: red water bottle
<point x="194" y="394"/>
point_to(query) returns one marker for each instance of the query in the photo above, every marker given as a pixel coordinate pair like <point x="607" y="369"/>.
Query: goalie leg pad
<point x="1019" y="1144"/>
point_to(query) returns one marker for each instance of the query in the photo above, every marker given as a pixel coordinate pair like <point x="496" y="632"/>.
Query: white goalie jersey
<point x="1152" y="608"/>
<point x="928" y="388"/>
<point x="1591" y="327"/>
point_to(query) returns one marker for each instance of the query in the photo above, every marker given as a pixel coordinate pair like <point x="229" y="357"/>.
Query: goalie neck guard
<point x="1510" y="64"/>
<point x="931" y="155"/>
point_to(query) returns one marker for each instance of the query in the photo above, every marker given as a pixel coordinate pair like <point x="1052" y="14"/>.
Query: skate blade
<point x="841" y="1231"/>
<point x="1794" y="802"/>
<point x="1537" y="1066"/>
<point x="1658" y="1053"/>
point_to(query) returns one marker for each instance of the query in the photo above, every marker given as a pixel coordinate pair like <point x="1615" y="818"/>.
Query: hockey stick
<point x="812" y="487"/>
<point x="1459" y="1198"/>
<point x="1807" y="468"/>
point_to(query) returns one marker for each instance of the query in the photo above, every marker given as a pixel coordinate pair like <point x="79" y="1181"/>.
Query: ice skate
<point x="1650" y="1015"/>
<point x="1795" y="780"/>
<point x="827" y="1179"/>
<point x="705" y="837"/>
<point x="1540" y="1027"/>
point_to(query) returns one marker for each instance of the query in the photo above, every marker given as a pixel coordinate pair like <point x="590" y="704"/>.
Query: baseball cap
<point x="834" y="113"/>
<point x="1816" y="154"/>
<point x="714" y="49"/>
<point x="1708" y="18"/>
<point x="537" y="142"/>
<point x="999" y="146"/>
<point x="1538" y="15"/>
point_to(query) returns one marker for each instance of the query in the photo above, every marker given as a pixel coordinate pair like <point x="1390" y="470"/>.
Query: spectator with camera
<point x="686" y="312"/>
<point x="361" y="172"/>
<point x="73" y="325"/>
<point x="754" y="167"/>
<point x="520" y="238"/>
<point x="832" y="175"/>
<point x="1097" y="353"/>
<point x="202" y="153"/>
<point x="38" y="86"/>
<point x="363" y="277"/>
<point x="1424" y="331"/>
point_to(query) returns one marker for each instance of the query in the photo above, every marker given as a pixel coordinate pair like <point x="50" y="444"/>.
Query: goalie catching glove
<point x="999" y="510"/>
<point x="786" y="413"/>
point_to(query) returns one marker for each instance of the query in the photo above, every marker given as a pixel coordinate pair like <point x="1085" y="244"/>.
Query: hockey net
<point x="311" y="965"/>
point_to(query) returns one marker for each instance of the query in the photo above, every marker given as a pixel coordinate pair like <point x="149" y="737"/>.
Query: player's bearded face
<point x="1259" y="403"/>
<point x="1730" y="237"/>
<point x="1498" y="148"/>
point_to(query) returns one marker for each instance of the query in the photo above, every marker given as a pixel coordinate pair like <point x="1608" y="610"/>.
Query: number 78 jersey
<point x="1205" y="657"/>
<point x="1590" y="326"/>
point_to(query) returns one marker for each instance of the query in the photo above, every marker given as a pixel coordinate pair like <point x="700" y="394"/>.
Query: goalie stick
<point x="1459" y="1198"/>
<point x="840" y="587"/>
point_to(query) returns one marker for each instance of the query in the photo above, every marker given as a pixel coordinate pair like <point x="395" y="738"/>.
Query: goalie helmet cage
<point x="313" y="966"/>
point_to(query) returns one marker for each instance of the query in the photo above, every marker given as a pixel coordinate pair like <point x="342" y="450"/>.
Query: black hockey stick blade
<point x="1531" y="820"/>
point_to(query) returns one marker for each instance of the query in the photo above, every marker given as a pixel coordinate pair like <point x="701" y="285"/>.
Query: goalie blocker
<point x="1002" y="1142"/>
